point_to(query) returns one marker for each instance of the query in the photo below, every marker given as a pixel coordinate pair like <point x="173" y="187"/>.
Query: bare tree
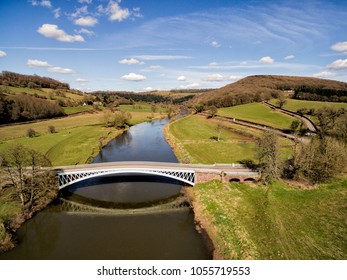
<point x="267" y="149"/>
<point x="321" y="159"/>
<point x="23" y="165"/>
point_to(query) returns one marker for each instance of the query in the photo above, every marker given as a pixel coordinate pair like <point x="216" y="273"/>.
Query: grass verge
<point x="277" y="222"/>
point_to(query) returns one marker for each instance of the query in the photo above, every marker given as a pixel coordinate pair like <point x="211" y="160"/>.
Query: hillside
<point x="260" y="87"/>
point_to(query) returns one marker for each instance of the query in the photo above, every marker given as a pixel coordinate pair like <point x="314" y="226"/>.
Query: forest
<point x="31" y="81"/>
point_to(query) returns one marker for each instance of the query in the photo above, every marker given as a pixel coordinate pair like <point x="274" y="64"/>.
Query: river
<point x="117" y="217"/>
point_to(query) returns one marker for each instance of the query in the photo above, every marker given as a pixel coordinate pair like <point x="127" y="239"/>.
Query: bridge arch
<point x="67" y="178"/>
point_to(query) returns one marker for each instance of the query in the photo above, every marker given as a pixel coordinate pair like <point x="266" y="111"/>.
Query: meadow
<point x="275" y="222"/>
<point x="77" y="137"/>
<point x="294" y="104"/>
<point x="257" y="113"/>
<point x="194" y="139"/>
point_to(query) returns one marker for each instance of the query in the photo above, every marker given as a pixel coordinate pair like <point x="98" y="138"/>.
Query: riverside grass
<point x="258" y="113"/>
<point x="78" y="138"/>
<point x="275" y="222"/>
<point x="194" y="140"/>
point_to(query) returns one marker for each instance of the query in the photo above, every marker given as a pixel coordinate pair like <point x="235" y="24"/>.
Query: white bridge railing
<point x="69" y="177"/>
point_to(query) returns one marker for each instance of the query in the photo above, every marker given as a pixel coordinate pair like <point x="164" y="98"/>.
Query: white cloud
<point x="114" y="11"/>
<point x="289" y="57"/>
<point x="2" y="54"/>
<point x="134" y="77"/>
<point x="214" y="77"/>
<point x="338" y="64"/>
<point x="57" y="12"/>
<point x="85" y="31"/>
<point x="193" y="85"/>
<point x="340" y="47"/>
<point x="85" y="1"/>
<point x="52" y="31"/>
<point x="215" y="44"/>
<point x="37" y="63"/>
<point x="43" y="3"/>
<point x="130" y="61"/>
<point x="266" y="60"/>
<point x="213" y="63"/>
<point x="182" y="78"/>
<point x="219" y="77"/>
<point x="324" y="74"/>
<point x="80" y="80"/>
<point x="161" y="57"/>
<point x="60" y="70"/>
<point x="86" y="21"/>
<point x="148" y="89"/>
<point x="154" y="67"/>
<point x="79" y="11"/>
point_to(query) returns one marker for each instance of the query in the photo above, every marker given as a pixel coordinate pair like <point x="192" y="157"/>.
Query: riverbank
<point x="12" y="217"/>
<point x="78" y="141"/>
<point x="253" y="221"/>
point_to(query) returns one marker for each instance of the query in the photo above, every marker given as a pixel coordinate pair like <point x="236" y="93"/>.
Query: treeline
<point x="191" y="90"/>
<point x="31" y="81"/>
<point x="24" y="107"/>
<point x="133" y="97"/>
<point x="320" y="94"/>
<point x="231" y="100"/>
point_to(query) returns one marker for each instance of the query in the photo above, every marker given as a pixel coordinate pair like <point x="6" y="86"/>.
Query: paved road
<point x="217" y="168"/>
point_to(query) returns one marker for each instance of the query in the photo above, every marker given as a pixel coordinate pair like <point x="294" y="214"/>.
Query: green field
<point x="77" y="109"/>
<point x="77" y="138"/>
<point x="68" y="146"/>
<point x="194" y="139"/>
<point x="258" y="113"/>
<point x="279" y="222"/>
<point x="294" y="104"/>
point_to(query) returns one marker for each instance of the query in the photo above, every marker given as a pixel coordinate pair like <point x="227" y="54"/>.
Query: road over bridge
<point x="187" y="173"/>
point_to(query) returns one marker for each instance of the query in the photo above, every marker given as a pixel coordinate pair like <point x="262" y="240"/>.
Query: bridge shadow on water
<point x="124" y="191"/>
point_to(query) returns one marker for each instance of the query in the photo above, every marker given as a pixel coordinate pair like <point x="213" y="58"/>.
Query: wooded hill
<point x="31" y="81"/>
<point x="264" y="87"/>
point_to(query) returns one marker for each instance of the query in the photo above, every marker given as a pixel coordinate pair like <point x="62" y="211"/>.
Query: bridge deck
<point x="186" y="173"/>
<point x="227" y="168"/>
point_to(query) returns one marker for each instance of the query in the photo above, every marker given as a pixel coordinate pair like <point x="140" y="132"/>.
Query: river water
<point x="117" y="217"/>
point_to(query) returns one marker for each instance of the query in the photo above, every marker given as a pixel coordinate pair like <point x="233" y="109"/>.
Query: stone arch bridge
<point x="186" y="173"/>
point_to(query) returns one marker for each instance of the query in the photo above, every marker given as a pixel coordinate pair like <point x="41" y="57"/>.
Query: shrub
<point x="51" y="129"/>
<point x="31" y="133"/>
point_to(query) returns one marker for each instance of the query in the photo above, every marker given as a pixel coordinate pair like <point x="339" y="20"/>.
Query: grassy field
<point x="294" y="105"/>
<point x="68" y="146"/>
<point x="77" y="138"/>
<point x="258" y="113"/>
<point x="279" y="222"/>
<point x="194" y="139"/>
<point x="77" y="109"/>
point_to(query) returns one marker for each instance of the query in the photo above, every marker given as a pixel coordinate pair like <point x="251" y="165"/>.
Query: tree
<point x="212" y="110"/>
<point x="219" y="130"/>
<point x="327" y="117"/>
<point x="51" y="129"/>
<point x="31" y="132"/>
<point x="267" y="149"/>
<point x="32" y="185"/>
<point x="321" y="159"/>
<point x="295" y="125"/>
<point x="281" y="101"/>
<point x="121" y="119"/>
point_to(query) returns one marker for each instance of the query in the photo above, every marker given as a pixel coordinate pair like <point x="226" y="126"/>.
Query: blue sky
<point x="140" y="45"/>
